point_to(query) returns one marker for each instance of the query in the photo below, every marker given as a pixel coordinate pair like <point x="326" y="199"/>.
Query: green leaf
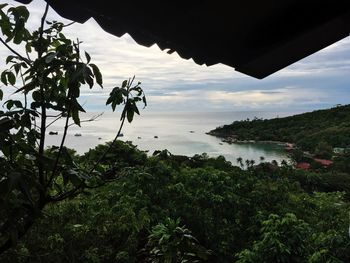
<point x="75" y="116"/>
<point x="11" y="78"/>
<point x="97" y="74"/>
<point x="125" y="82"/>
<point x="9" y="58"/>
<point x="1" y="94"/>
<point x="88" y="58"/>
<point x="28" y="47"/>
<point x="130" y="115"/>
<point x="18" y="37"/>
<point x="9" y="104"/>
<point x="3" y="78"/>
<point x="18" y="104"/>
<point x="6" y="124"/>
<point x="89" y="81"/>
<point x="109" y="100"/>
<point x="135" y="108"/>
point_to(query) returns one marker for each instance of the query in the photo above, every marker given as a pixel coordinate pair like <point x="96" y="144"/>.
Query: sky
<point x="175" y="84"/>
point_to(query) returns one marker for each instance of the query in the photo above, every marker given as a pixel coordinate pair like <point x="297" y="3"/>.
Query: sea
<point x="181" y="133"/>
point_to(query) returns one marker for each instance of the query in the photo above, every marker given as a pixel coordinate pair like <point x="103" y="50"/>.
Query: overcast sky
<point x="174" y="84"/>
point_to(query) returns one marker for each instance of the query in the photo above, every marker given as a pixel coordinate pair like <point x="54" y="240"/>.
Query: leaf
<point x="88" y="58"/>
<point x="50" y="57"/>
<point x="1" y="94"/>
<point x="11" y="78"/>
<point x="125" y="82"/>
<point x="6" y="124"/>
<point x="135" y="109"/>
<point x="3" y="78"/>
<point x="109" y="100"/>
<point x="130" y="115"/>
<point x="18" y="37"/>
<point x="89" y="81"/>
<point x="9" y="104"/>
<point x="144" y="100"/>
<point x="114" y="104"/>
<point x="18" y="104"/>
<point x="75" y="116"/>
<point x="97" y="74"/>
<point x="9" y="58"/>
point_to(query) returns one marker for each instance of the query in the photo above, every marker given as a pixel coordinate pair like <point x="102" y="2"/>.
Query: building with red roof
<point x="325" y="163"/>
<point x="303" y="166"/>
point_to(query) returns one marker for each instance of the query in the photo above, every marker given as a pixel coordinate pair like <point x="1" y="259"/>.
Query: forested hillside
<point x="307" y="130"/>
<point x="169" y="208"/>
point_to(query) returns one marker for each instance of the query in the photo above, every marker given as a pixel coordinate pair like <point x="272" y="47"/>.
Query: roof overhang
<point x="255" y="37"/>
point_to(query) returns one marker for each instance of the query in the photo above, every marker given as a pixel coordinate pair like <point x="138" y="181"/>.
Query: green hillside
<point x="307" y="130"/>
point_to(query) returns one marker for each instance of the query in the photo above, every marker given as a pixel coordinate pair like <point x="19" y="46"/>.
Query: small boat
<point x="53" y="133"/>
<point x="155" y="137"/>
<point x="121" y="135"/>
<point x="77" y="134"/>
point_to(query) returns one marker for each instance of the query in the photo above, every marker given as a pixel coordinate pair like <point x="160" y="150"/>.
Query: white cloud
<point x="172" y="82"/>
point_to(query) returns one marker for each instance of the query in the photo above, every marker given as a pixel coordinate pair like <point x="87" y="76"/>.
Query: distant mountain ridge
<point x="307" y="130"/>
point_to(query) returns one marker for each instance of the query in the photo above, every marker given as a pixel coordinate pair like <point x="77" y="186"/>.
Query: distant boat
<point x="155" y="137"/>
<point x="53" y="133"/>
<point x="77" y="134"/>
<point x="191" y="131"/>
<point x="121" y="135"/>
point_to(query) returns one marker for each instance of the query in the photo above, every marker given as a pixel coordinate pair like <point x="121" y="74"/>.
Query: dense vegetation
<point x="45" y="74"/>
<point x="307" y="130"/>
<point x="116" y="204"/>
<point x="169" y="208"/>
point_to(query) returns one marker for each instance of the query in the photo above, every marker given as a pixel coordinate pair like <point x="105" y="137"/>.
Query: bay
<point x="182" y="133"/>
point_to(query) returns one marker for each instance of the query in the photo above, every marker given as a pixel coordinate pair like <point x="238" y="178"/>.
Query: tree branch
<point x="43" y="112"/>
<point x="109" y="148"/>
<point x="15" y="52"/>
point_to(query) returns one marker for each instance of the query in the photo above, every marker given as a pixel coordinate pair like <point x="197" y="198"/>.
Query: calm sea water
<point x="179" y="132"/>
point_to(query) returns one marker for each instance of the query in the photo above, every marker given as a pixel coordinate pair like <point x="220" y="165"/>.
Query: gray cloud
<point x="173" y="83"/>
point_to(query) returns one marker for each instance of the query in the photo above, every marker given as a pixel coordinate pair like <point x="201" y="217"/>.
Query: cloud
<point x="173" y="83"/>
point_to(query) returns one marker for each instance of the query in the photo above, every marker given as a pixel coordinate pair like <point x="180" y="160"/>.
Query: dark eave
<point x="256" y="37"/>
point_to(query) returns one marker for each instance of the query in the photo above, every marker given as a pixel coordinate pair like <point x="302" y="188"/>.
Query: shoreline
<point x="233" y="139"/>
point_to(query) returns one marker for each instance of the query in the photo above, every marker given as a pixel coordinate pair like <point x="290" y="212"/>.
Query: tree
<point x="48" y="79"/>
<point x="324" y="150"/>
<point x="282" y="240"/>
<point x="169" y="242"/>
<point x="240" y="161"/>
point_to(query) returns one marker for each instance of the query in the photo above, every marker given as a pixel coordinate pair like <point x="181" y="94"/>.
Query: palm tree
<point x="240" y="161"/>
<point x="284" y="163"/>
<point x="274" y="162"/>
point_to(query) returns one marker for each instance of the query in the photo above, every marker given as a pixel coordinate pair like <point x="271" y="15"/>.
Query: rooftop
<point x="255" y="37"/>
